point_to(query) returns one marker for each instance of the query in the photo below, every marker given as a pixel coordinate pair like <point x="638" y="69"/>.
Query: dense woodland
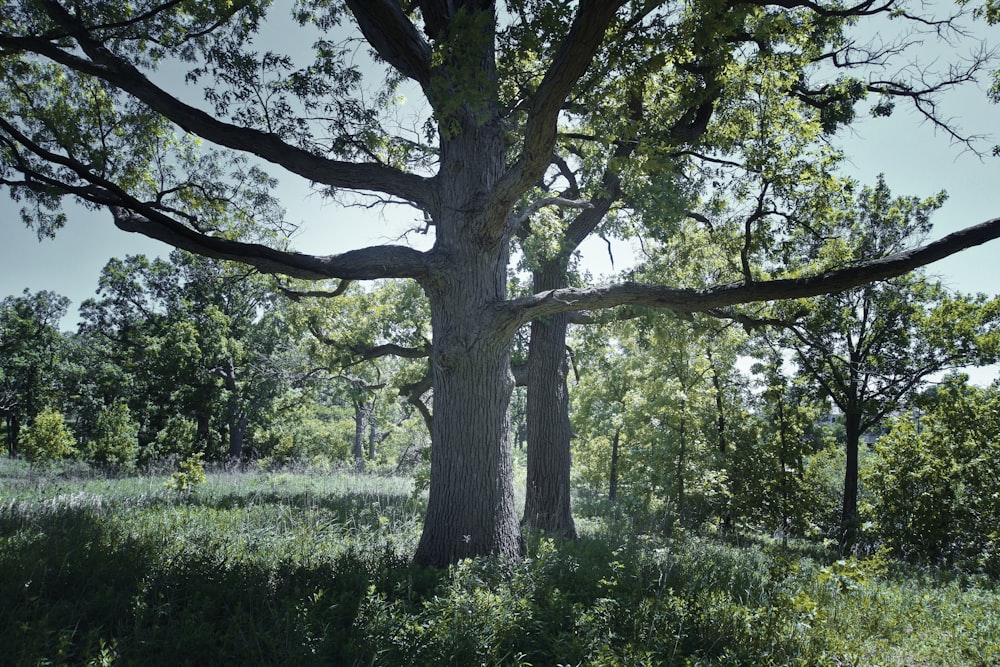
<point x="213" y="469"/>
<point x="602" y="462"/>
<point x="693" y="421"/>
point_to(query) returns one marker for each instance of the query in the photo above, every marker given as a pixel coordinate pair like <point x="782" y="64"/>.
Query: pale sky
<point x="915" y="159"/>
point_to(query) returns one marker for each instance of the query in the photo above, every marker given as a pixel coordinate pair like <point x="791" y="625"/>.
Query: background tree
<point x="200" y="340"/>
<point x="132" y="145"/>
<point x="47" y="438"/>
<point x="772" y="485"/>
<point x="373" y="343"/>
<point x="869" y="348"/>
<point x="115" y="440"/>
<point x="31" y="350"/>
<point x="934" y="478"/>
<point x="648" y="419"/>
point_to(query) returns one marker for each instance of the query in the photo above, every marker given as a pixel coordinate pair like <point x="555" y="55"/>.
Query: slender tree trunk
<point x="237" y="433"/>
<point x="13" y="433"/>
<point x="201" y="437"/>
<point x="237" y="418"/>
<point x="359" y="434"/>
<point x="681" y="464"/>
<point x="720" y="413"/>
<point x="849" y="516"/>
<point x="547" y="495"/>
<point x="372" y="430"/>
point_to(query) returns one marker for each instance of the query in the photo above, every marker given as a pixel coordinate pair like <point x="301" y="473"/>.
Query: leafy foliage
<point x="934" y="482"/>
<point x="47" y="439"/>
<point x="116" y="438"/>
<point x="190" y="476"/>
<point x="314" y="568"/>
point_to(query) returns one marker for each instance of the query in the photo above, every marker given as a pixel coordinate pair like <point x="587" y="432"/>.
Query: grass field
<point x="304" y="568"/>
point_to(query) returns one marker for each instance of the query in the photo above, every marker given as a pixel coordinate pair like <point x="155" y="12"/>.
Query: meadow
<point x="303" y="567"/>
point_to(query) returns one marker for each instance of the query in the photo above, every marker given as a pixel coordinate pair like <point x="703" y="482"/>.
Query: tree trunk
<point x="237" y="431"/>
<point x="613" y="473"/>
<point x="849" y="516"/>
<point x="237" y="418"/>
<point x="470" y="506"/>
<point x="13" y="433"/>
<point x="470" y="509"/>
<point x="547" y="500"/>
<point x="201" y="438"/>
<point x="681" y="465"/>
<point x="720" y="413"/>
<point x="373" y="438"/>
<point x="359" y="434"/>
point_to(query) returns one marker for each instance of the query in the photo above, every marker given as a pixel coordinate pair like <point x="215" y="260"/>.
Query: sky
<point x="915" y="159"/>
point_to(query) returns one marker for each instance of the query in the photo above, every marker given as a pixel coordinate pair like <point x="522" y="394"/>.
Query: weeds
<point x="306" y="569"/>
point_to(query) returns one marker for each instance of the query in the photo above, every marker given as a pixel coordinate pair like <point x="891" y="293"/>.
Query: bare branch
<point x="866" y="8"/>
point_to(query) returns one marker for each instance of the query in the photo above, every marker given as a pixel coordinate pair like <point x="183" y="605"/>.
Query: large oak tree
<point x="92" y="108"/>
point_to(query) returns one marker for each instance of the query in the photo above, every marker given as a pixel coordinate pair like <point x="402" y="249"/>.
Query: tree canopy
<point x="171" y="116"/>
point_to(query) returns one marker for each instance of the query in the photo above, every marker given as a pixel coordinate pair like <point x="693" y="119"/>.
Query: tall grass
<point x="296" y="568"/>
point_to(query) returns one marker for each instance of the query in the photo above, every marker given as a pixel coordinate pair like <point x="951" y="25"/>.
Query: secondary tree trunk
<point x="613" y="473"/>
<point x="547" y="504"/>
<point x="359" y="434"/>
<point x="849" y="516"/>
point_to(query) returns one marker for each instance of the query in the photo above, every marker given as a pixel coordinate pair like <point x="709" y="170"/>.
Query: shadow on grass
<point x="75" y="591"/>
<point x="354" y="506"/>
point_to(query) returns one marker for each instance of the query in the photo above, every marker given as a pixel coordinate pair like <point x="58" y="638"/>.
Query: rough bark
<point x="470" y="509"/>
<point x="849" y="516"/>
<point x="547" y="495"/>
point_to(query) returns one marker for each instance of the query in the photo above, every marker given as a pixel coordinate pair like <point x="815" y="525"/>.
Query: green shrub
<point x="935" y="483"/>
<point x="47" y="439"/>
<point x="116" y="438"/>
<point x="297" y="568"/>
<point x="190" y="476"/>
<point x="177" y="437"/>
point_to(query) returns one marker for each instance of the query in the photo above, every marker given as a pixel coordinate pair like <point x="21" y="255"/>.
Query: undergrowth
<point x="306" y="569"/>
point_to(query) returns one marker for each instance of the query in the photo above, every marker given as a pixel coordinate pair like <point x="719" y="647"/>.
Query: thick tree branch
<point x="593" y="17"/>
<point x="394" y="37"/>
<point x="102" y="63"/>
<point x="364" y="264"/>
<point x="296" y="295"/>
<point x="393" y="350"/>
<point x="519" y="311"/>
